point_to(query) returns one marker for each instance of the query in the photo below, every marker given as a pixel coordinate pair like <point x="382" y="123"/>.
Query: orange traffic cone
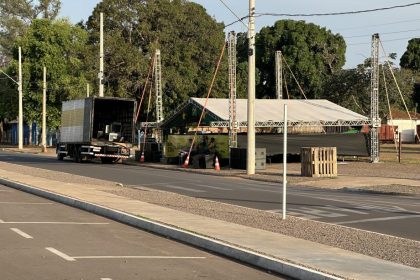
<point x="187" y="162"/>
<point x="142" y="157"/>
<point x="216" y="164"/>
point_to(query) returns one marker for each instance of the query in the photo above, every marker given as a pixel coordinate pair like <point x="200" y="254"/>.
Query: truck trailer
<point x="97" y="127"/>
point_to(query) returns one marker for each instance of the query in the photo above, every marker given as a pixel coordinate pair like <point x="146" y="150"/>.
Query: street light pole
<point x="44" y="112"/>
<point x="20" y="119"/>
<point x="101" y="56"/>
<point x="250" y="165"/>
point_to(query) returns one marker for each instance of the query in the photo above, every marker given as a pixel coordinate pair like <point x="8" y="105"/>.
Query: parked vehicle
<point x="97" y="127"/>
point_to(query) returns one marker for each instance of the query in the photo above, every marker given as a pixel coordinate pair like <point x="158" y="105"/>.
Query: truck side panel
<point x="76" y="121"/>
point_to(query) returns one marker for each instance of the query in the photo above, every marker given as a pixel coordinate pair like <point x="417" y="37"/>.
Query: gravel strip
<point x="381" y="246"/>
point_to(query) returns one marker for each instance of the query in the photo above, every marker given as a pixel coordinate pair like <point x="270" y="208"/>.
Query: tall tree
<point x="411" y="58"/>
<point x="189" y="39"/>
<point x="60" y="47"/>
<point x="351" y="88"/>
<point x="17" y="15"/>
<point x="313" y="54"/>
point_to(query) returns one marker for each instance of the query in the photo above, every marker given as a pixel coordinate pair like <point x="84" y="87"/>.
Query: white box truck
<point x="97" y="127"/>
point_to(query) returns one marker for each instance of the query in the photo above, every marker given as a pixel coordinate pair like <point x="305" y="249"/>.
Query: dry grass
<point x="410" y="153"/>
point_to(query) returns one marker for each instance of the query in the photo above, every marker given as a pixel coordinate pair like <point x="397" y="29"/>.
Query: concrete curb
<point x="219" y="247"/>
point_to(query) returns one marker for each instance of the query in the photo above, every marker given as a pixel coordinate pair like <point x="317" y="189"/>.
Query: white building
<point x="407" y="127"/>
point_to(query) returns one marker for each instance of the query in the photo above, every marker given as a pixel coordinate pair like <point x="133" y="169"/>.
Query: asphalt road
<point x="387" y="214"/>
<point x="40" y="239"/>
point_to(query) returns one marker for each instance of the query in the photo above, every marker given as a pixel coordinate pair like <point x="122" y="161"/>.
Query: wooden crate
<point x="319" y="161"/>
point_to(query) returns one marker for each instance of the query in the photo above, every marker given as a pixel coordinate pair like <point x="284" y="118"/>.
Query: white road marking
<point x="54" y="223"/>
<point x="213" y="187"/>
<point x="5" y="191"/>
<point x="302" y="215"/>
<point x="1" y="221"/>
<point x="136" y="257"/>
<point x="21" y="233"/>
<point x="60" y="254"/>
<point x="183" y="188"/>
<point x="335" y="208"/>
<point x="379" y="219"/>
<point x="106" y="279"/>
<point x="26" y="203"/>
<point x="317" y="212"/>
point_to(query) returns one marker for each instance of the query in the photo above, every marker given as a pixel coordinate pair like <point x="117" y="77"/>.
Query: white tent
<point x="269" y="112"/>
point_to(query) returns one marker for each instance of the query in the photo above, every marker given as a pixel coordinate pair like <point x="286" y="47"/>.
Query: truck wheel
<point x="77" y="157"/>
<point x="60" y="156"/>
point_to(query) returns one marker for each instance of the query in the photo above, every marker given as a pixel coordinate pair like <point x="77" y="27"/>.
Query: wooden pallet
<point x="318" y="161"/>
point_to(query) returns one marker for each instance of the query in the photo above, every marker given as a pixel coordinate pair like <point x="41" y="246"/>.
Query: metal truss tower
<point x="158" y="87"/>
<point x="279" y="75"/>
<point x="233" y="127"/>
<point x="374" y="101"/>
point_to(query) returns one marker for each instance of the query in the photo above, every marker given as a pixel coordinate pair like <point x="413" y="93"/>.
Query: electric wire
<point x="326" y="14"/>
<point x="384" y="33"/>
<point x="391" y="40"/>
<point x="340" y="13"/>
<point x="389" y="109"/>
<point x="233" y="13"/>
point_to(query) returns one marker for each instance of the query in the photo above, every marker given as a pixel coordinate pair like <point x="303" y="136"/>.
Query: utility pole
<point x="87" y="90"/>
<point x="233" y="138"/>
<point x="20" y="120"/>
<point x="374" y="101"/>
<point x="285" y="125"/>
<point x="279" y="75"/>
<point x="250" y="165"/>
<point x="101" y="57"/>
<point x="44" y="112"/>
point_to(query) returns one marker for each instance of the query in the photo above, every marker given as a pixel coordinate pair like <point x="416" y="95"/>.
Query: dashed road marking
<point x="1" y="221"/>
<point x="60" y="254"/>
<point x="21" y="233"/>
<point x="106" y="279"/>
<point x="378" y="219"/>
<point x="183" y="188"/>
<point x="213" y="187"/>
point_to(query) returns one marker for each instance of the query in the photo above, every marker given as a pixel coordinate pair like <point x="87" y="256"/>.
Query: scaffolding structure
<point x="279" y="75"/>
<point x="158" y="87"/>
<point x="233" y="127"/>
<point x="374" y="101"/>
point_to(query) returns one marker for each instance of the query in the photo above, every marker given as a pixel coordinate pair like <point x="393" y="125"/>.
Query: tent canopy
<point x="269" y="113"/>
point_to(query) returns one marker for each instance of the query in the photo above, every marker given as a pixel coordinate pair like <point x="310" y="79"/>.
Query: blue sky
<point x="400" y="24"/>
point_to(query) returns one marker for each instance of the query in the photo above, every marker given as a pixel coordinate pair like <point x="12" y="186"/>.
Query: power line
<point x="231" y="10"/>
<point x="340" y="13"/>
<point x="327" y="14"/>
<point x="384" y="33"/>
<point x="376" y="25"/>
<point x="391" y="40"/>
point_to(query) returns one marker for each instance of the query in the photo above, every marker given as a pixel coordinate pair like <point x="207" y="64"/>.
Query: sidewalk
<point x="291" y="256"/>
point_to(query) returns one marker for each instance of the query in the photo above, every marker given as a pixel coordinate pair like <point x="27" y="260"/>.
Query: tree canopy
<point x="17" y="15"/>
<point x="313" y="53"/>
<point x="189" y="39"/>
<point x="59" y="46"/>
<point x="411" y="58"/>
